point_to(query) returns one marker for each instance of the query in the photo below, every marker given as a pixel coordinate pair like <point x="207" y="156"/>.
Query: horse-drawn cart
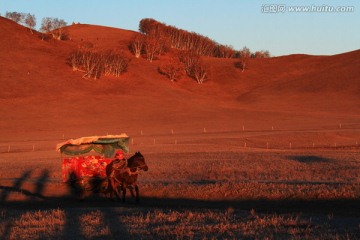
<point x="83" y="170"/>
<point x="101" y="173"/>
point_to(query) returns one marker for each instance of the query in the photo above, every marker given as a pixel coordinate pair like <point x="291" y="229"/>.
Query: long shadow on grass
<point x="344" y="206"/>
<point x="112" y="211"/>
<point x="310" y="159"/>
<point x="349" y="207"/>
<point x="38" y="201"/>
<point x="74" y="210"/>
<point x="16" y="187"/>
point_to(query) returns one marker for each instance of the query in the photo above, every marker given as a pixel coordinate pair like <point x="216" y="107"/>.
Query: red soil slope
<point x="40" y="94"/>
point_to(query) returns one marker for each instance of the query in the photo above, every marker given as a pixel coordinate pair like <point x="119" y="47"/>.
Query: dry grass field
<point x="198" y="187"/>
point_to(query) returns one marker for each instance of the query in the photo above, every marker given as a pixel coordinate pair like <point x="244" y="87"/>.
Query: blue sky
<point x="256" y="24"/>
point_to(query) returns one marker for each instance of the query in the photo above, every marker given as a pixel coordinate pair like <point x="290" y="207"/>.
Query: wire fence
<point x="275" y="139"/>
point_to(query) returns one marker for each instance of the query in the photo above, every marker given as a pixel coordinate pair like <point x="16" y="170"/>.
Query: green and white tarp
<point x="104" y="145"/>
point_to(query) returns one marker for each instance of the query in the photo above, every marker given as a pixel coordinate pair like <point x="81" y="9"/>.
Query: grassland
<point x="201" y="188"/>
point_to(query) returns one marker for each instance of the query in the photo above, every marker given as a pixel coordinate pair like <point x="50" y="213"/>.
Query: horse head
<point x="138" y="161"/>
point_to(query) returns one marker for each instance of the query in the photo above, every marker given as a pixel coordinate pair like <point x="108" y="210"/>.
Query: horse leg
<point x="109" y="189"/>
<point x="123" y="188"/>
<point x="106" y="189"/>
<point x="137" y="194"/>
<point x="113" y="189"/>
<point x="81" y="196"/>
<point x="131" y="191"/>
<point x="116" y="190"/>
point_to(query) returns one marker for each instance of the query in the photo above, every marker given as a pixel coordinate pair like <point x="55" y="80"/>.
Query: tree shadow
<point x="342" y="206"/>
<point x="310" y="159"/>
<point x="72" y="225"/>
<point x="69" y="203"/>
<point x="40" y="184"/>
<point x="116" y="227"/>
<point x="6" y="233"/>
<point x="85" y="187"/>
<point x="16" y="187"/>
<point x="112" y="211"/>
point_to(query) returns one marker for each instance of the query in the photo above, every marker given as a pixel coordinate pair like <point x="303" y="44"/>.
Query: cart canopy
<point x="104" y="145"/>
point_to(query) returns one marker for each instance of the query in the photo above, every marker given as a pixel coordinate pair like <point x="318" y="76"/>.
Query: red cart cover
<point x="84" y="166"/>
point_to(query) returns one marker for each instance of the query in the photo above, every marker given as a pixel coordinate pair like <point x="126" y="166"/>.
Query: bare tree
<point x="151" y="47"/>
<point x="193" y="66"/>
<point x="15" y="16"/>
<point x="261" y="54"/>
<point x="46" y="26"/>
<point x="242" y="64"/>
<point x="26" y="19"/>
<point x="245" y="53"/>
<point x="137" y="45"/>
<point x="94" y="63"/>
<point x="53" y="26"/>
<point x="199" y="72"/>
<point x="172" y="37"/>
<point x="58" y="28"/>
<point x="172" y="69"/>
<point x="244" y="56"/>
<point x="189" y="59"/>
<point x="30" y="21"/>
<point x="149" y="26"/>
<point x="224" y="51"/>
<point x="114" y="64"/>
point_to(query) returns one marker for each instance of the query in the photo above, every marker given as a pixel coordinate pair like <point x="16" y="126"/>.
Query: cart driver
<point x="118" y="163"/>
<point x="120" y="160"/>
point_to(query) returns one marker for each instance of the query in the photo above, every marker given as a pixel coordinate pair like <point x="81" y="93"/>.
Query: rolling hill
<point x="41" y="95"/>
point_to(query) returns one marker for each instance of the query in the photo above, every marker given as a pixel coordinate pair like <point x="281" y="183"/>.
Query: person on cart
<point x="120" y="159"/>
<point x="118" y="163"/>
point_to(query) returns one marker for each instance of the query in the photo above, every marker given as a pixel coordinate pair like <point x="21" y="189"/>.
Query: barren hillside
<point x="40" y="93"/>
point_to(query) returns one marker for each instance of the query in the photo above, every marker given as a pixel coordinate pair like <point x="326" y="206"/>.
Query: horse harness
<point x="122" y="166"/>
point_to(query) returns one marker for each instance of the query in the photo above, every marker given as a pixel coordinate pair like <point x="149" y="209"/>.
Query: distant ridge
<point x="31" y="67"/>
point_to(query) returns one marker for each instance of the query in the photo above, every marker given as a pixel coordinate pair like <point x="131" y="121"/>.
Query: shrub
<point x="172" y="70"/>
<point x="95" y="63"/>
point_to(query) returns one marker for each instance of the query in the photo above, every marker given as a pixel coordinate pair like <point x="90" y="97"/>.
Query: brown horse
<point x="125" y="175"/>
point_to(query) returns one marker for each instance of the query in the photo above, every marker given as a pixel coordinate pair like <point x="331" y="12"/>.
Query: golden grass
<point x="143" y="223"/>
<point x="192" y="191"/>
<point x="32" y="224"/>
